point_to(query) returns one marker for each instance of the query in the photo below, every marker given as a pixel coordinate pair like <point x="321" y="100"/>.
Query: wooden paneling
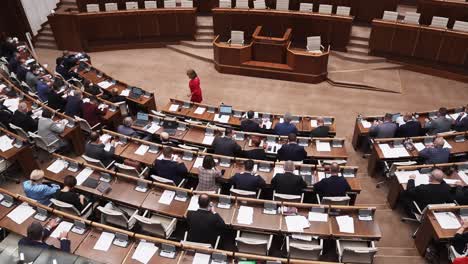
<point x="13" y="20"/>
<point x="454" y="10"/>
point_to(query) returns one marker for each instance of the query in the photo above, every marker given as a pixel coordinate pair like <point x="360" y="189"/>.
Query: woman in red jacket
<point x="194" y="85"/>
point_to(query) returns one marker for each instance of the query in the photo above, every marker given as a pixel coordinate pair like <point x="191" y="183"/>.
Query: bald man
<point x="22" y="118"/>
<point x="436" y="153"/>
<point x="436" y="192"/>
<point x="288" y="182"/>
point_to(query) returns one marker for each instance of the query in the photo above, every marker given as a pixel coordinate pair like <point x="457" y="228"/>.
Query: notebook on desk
<point x="91" y="183"/>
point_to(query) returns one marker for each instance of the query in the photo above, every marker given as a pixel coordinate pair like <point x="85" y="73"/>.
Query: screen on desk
<point x="225" y="109"/>
<point x="142" y="116"/>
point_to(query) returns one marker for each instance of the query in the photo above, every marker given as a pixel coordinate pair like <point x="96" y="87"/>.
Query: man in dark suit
<point x="36" y="234"/>
<point x="436" y="153"/>
<point x="22" y="118"/>
<point x="321" y="130"/>
<point x="288" y="182"/>
<point x="95" y="149"/>
<point x="436" y="192"/>
<point x="225" y="145"/>
<point x="73" y="105"/>
<point x="204" y="225"/>
<point x="257" y="152"/>
<point x="169" y="169"/>
<point x="249" y="125"/>
<point x="335" y="185"/>
<point x="411" y="127"/>
<point x="247" y="180"/>
<point x="292" y="150"/>
<point x="461" y="123"/>
<point x="440" y="124"/>
<point x="286" y="127"/>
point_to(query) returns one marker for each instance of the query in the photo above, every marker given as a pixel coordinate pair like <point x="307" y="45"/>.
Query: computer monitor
<point x="225" y="109"/>
<point x="170" y="124"/>
<point x="142" y="116"/>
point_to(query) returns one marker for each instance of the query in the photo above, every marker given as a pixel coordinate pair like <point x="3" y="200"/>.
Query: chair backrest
<point x="461" y="26"/>
<point x="390" y="16"/>
<point x="84" y="125"/>
<point x="242" y="4"/>
<point x="128" y="170"/>
<point x="92" y="8"/>
<point x="113" y="217"/>
<point x="41" y="143"/>
<point x="225" y="3"/>
<point x="325" y="9"/>
<point x="282" y="4"/>
<point x="252" y="246"/>
<point x="259" y="4"/>
<point x="343" y="10"/>
<point x="93" y="161"/>
<point x="163" y="180"/>
<point x="131" y="5"/>
<point x="287" y="197"/>
<point x="20" y="131"/>
<point x="187" y="3"/>
<point x="338" y="200"/>
<point x="111" y="6"/>
<point x="242" y="193"/>
<point x="305" y="250"/>
<point x="313" y="43"/>
<point x="412" y="18"/>
<point x="150" y="226"/>
<point x="237" y="37"/>
<point x="358" y="255"/>
<point x="169" y="4"/>
<point x="306" y="7"/>
<point x="440" y="22"/>
<point x="150" y="5"/>
<point x="65" y="207"/>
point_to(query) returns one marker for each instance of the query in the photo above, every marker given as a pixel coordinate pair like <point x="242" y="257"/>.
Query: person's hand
<point x="426" y="120"/>
<point x="212" y="208"/>
<point x="63" y="235"/>
<point x="53" y="223"/>
<point x="376" y="122"/>
<point x="412" y="177"/>
<point x="178" y="159"/>
<point x="82" y="199"/>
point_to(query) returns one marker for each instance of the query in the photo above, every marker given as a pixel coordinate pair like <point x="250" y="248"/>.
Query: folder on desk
<point x="111" y="6"/>
<point x="150" y="4"/>
<point x="92" y="8"/>
<point x="187" y="4"/>
<point x="225" y="4"/>
<point x="131" y="5"/>
<point x="169" y="4"/>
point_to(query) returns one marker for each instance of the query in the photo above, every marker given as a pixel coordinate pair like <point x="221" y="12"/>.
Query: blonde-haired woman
<point x="37" y="190"/>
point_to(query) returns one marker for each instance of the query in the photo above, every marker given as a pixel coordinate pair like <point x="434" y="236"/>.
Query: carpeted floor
<point x="163" y="71"/>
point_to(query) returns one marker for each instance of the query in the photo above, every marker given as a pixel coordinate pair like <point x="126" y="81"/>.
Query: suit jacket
<point x="204" y="226"/>
<point x="91" y="113"/>
<point x="429" y="193"/>
<point x="461" y="124"/>
<point x="384" y="130"/>
<point x="292" y="151"/>
<point x="24" y="120"/>
<point x="332" y="186"/>
<point x="284" y="129"/>
<point x="49" y="130"/>
<point x="56" y="101"/>
<point x="321" y="131"/>
<point x="288" y="183"/>
<point x="31" y="80"/>
<point x="127" y="131"/>
<point x="461" y="195"/>
<point x="26" y="242"/>
<point x="256" y="154"/>
<point x="247" y="181"/>
<point x="42" y="90"/>
<point x="435" y="155"/>
<point x="169" y="169"/>
<point x="73" y="106"/>
<point x="409" y="129"/>
<point x="249" y="125"/>
<point x="96" y="151"/>
<point x="438" y="125"/>
<point x="226" y="146"/>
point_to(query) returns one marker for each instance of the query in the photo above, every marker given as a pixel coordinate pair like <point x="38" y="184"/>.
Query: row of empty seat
<point x="134" y="5"/>
<point x="413" y="18"/>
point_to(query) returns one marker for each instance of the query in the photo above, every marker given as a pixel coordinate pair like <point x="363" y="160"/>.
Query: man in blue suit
<point x="292" y="150"/>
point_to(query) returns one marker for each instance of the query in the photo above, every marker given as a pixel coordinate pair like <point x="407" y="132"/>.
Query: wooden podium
<point x="273" y="57"/>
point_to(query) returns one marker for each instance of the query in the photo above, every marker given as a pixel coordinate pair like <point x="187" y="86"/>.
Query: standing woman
<point x="194" y="85"/>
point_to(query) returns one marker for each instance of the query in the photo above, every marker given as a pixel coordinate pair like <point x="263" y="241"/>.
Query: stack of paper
<point x="323" y="145"/>
<point x="125" y="92"/>
<point x="267" y="124"/>
<point x="200" y="110"/>
<point x="166" y="197"/>
<point x="419" y="146"/>
<point x="193" y="205"/>
<point x="173" y="108"/>
<point x="142" y="150"/>
<point x="313" y="123"/>
<point x="421" y="179"/>
<point x="393" y="152"/>
<point x="403" y="176"/>
<point x="64" y="226"/>
<point x="208" y="140"/>
<point x="105" y="138"/>
<point x="245" y="215"/>
<point x="6" y="143"/>
<point x="104" y="242"/>
<point x="11" y="104"/>
<point x="447" y="220"/>
<point x="105" y="84"/>
<point x="366" y="124"/>
<point x="21" y="213"/>
<point x="200" y="258"/>
<point x="144" y="252"/>
<point x="83" y="175"/>
<point x="345" y="223"/>
<point x="296" y="223"/>
<point x="153" y="128"/>
<point x="318" y="217"/>
<point x="198" y="162"/>
<point x="57" y="166"/>
<point x="221" y="118"/>
<point x="36" y="114"/>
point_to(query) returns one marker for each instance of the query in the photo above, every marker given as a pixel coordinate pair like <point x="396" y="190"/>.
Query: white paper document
<point x="125" y="92"/>
<point x="318" y="217"/>
<point x="200" y="258"/>
<point x="11" y="104"/>
<point x="64" y="226"/>
<point x="166" y="197"/>
<point x="447" y="220"/>
<point x="296" y="223"/>
<point x="421" y="179"/>
<point x="393" y="152"/>
<point x="200" y="110"/>
<point x="105" y="138"/>
<point x="198" y="162"/>
<point x="446" y="144"/>
<point x="144" y="252"/>
<point x="208" y="140"/>
<point x="21" y="213"/>
<point x="193" y="205"/>
<point x="221" y="119"/>
<point x="366" y="124"/>
<point x="403" y="176"/>
<point x="322" y="146"/>
<point x="104" y="242"/>
<point x="419" y="146"/>
<point x="105" y="84"/>
<point x="267" y="124"/>
<point x="153" y="128"/>
<point x="245" y="215"/>
<point x="83" y="175"/>
<point x="313" y="123"/>
<point x="173" y="108"/>
<point x="6" y="143"/>
<point x="451" y="181"/>
<point x="345" y="223"/>
<point x="57" y="166"/>
<point x="463" y="176"/>
<point x="142" y="150"/>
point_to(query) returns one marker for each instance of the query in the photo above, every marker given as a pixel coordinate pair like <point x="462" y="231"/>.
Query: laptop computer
<point x="225" y="110"/>
<point x="170" y="126"/>
<point x="142" y="119"/>
<point x="136" y="93"/>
